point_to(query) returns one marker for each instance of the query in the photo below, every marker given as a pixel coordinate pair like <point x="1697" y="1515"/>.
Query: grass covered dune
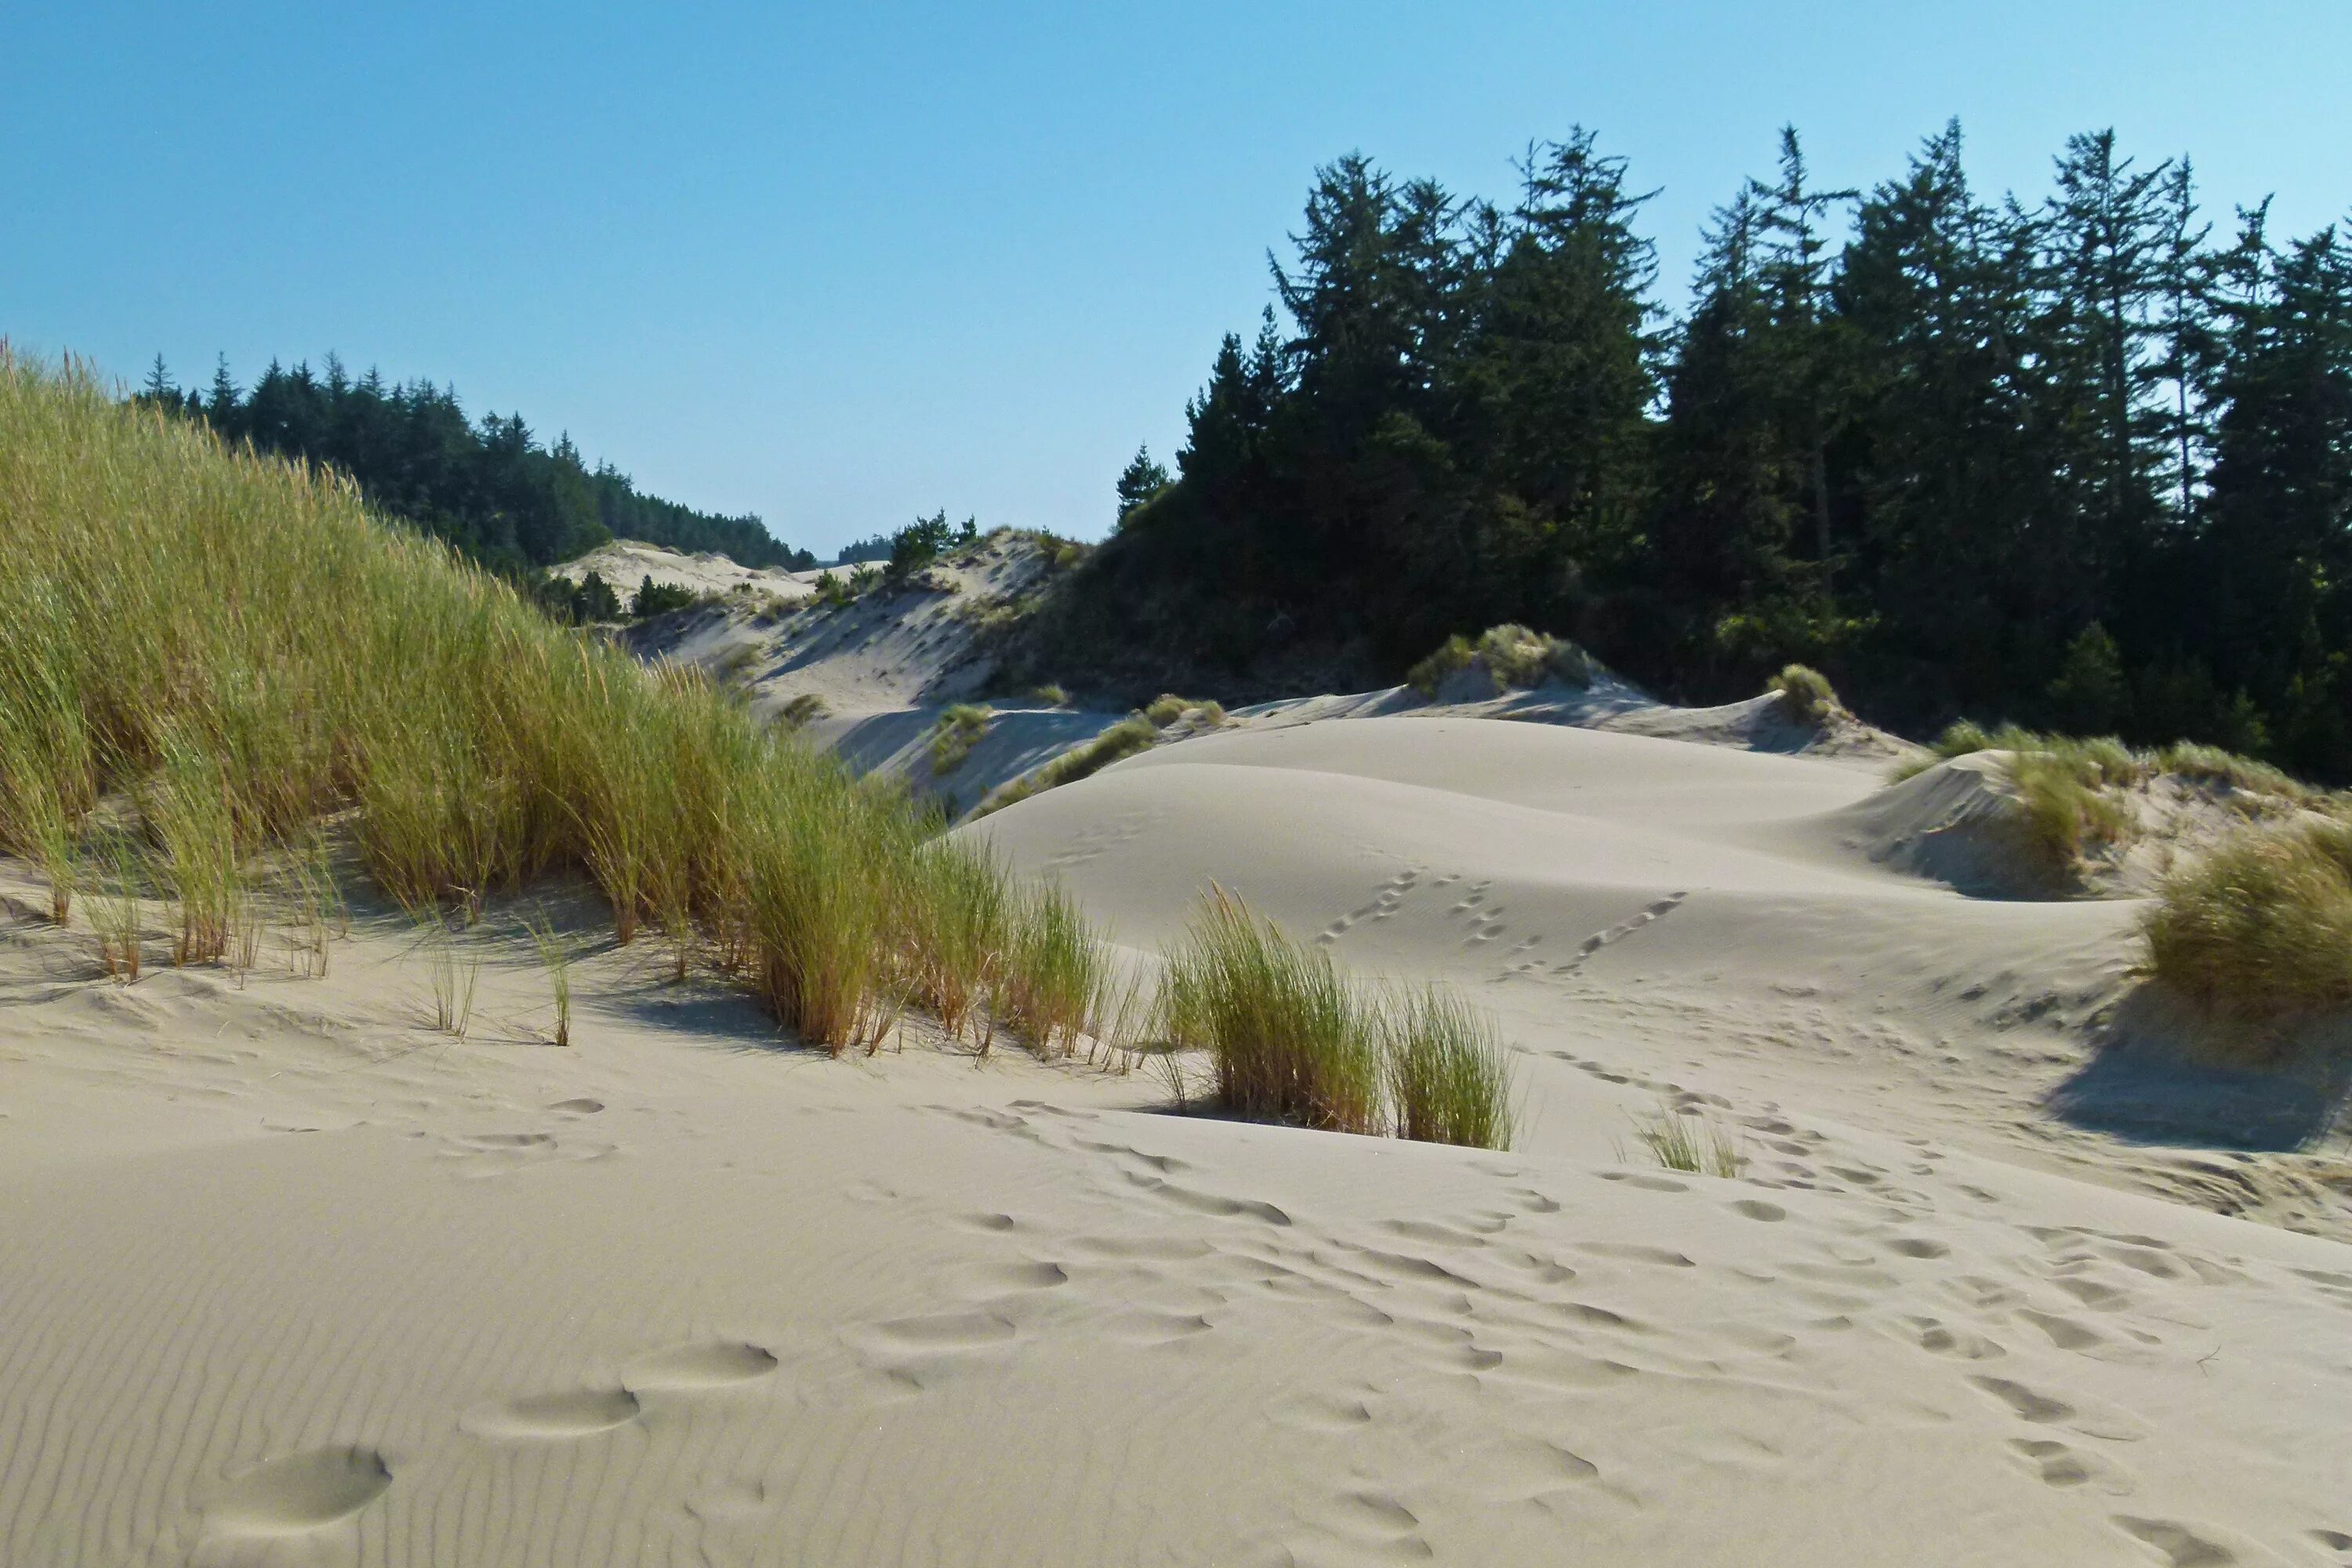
<point x="211" y="654"/>
<point x="238" y="649"/>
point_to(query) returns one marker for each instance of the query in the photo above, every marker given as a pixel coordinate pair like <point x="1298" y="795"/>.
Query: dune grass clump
<point x="957" y="958"/>
<point x="2260" y="929"/>
<point x="1291" y="1038"/>
<point x="1448" y="1078"/>
<point x="1805" y="693"/>
<point x="1285" y="1036"/>
<point x="1052" y="695"/>
<point x="1204" y="712"/>
<point x="555" y="958"/>
<point x="1055" y="985"/>
<point x="238" y="648"/>
<point x="1513" y="655"/>
<point x="953" y="735"/>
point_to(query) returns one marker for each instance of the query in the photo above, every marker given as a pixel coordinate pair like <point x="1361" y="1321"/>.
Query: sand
<point x="290" y="1278"/>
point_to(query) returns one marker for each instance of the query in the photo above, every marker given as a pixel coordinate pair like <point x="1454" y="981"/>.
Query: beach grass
<point x="238" y="647"/>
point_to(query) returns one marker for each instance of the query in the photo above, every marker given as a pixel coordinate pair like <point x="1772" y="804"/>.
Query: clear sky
<point x="840" y="263"/>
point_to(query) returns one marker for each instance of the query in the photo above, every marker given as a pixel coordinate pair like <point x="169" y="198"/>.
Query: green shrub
<point x="1051" y="695"/>
<point x="653" y="599"/>
<point x="1805" y="693"/>
<point x="801" y="710"/>
<point x="2261" y="929"/>
<point x="953" y="735"/>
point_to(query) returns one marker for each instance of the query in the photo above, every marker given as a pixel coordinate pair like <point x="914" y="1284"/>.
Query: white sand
<point x="286" y="1278"/>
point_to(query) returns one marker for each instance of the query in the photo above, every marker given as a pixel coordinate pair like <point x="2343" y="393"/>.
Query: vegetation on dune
<point x="234" y="650"/>
<point x="953" y="735"/>
<point x="1689" y="1143"/>
<point x="1513" y="655"/>
<point x="2260" y="931"/>
<point x="1123" y="739"/>
<point x="1291" y="1038"/>
<point x="1806" y="696"/>
<point x="1203" y="712"/>
<point x="2081" y="455"/>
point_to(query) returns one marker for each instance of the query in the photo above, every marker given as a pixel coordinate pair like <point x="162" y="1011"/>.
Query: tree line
<point x="2083" y="461"/>
<point x="490" y="487"/>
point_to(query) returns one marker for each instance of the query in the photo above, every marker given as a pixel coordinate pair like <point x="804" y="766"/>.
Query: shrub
<point x="2261" y="929"/>
<point x="1805" y="693"/>
<point x="803" y="708"/>
<point x="953" y="735"/>
<point x="653" y="599"/>
<point x="1051" y="695"/>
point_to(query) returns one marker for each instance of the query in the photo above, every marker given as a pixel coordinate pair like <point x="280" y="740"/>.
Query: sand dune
<point x="291" y="1279"/>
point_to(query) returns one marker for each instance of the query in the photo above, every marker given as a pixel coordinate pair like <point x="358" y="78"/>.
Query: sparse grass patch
<point x="1125" y="739"/>
<point x="1689" y="1143"/>
<point x="1805" y="693"/>
<point x="801" y="710"/>
<point x="953" y="735"/>
<point x="1051" y="695"/>
<point x="555" y="958"/>
<point x="1055" y="984"/>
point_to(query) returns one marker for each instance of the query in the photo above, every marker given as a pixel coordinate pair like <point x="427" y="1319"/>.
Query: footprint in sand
<point x="720" y="1364"/>
<point x="299" y="1493"/>
<point x="552" y="1418"/>
<point x="2180" y="1546"/>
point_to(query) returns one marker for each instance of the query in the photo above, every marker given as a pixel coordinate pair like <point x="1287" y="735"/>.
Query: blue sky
<point x="837" y="264"/>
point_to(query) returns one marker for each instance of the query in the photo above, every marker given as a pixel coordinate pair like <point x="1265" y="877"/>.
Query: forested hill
<point x="492" y="488"/>
<point x="2082" y="459"/>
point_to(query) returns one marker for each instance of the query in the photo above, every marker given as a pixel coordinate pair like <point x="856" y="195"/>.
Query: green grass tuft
<point x="1290" y="1038"/>
<point x="1805" y="693"/>
<point x="1514" y="655"/>
<point x="1689" y="1143"/>
<point x="2260" y="929"/>
<point x="953" y="735"/>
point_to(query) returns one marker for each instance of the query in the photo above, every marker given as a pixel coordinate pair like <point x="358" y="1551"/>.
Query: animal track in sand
<point x="580" y="1107"/>
<point x="1209" y="1203"/>
<point x="552" y="1418"/>
<point x="1308" y="1411"/>
<point x="2027" y="1404"/>
<point x="720" y="1364"/>
<point x="1017" y="1278"/>
<point x="299" y="1493"/>
<point x="1757" y="1208"/>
